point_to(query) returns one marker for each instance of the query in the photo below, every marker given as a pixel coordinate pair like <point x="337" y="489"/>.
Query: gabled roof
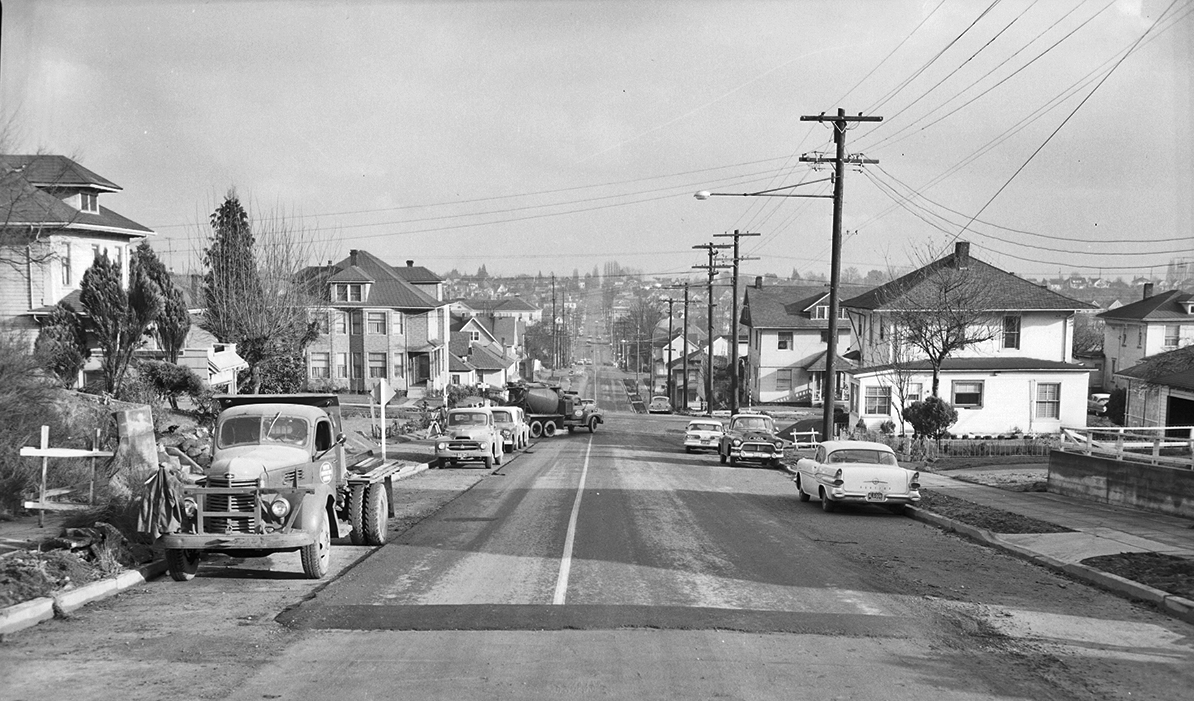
<point x="483" y="358"/>
<point x="1012" y="364"/>
<point x="817" y="363"/>
<point x="389" y="289"/>
<point x="458" y="364"/>
<point x="1173" y="368"/>
<point x="997" y="290"/>
<point x="47" y="171"/>
<point x="1163" y="306"/>
<point x="787" y="306"/>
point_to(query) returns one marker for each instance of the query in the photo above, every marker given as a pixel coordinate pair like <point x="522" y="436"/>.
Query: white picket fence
<point x="1149" y="444"/>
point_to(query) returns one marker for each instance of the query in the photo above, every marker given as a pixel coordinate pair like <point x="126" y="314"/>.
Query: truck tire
<point x="183" y="564"/>
<point x="497" y="456"/>
<point x="571" y="429"/>
<point x="488" y="462"/>
<point x="549" y="429"/>
<point x="536" y="429"/>
<point x="593" y="425"/>
<point x="377" y="514"/>
<point x="356" y="513"/>
<point x="317" y="557"/>
<point x="721" y="456"/>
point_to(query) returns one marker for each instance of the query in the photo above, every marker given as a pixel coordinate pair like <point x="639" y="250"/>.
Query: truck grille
<point x="758" y="447"/>
<point x="245" y="503"/>
<point x="464" y="445"/>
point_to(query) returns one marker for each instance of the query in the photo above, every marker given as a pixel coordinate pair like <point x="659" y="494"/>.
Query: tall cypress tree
<point x="174" y="322"/>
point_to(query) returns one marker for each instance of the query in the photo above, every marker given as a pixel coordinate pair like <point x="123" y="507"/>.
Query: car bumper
<point x="710" y="444"/>
<point x="754" y="452"/>
<point x="840" y="497"/>
<point x="232" y="541"/>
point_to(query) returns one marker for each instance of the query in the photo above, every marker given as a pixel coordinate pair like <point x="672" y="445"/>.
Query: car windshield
<point x="502" y="417"/>
<point x="752" y="423"/>
<point x="862" y="455"/>
<point x="252" y="430"/>
<point x="467" y="419"/>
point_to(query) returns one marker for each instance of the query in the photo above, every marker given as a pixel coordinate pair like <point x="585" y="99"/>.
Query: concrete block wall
<point x="1168" y="490"/>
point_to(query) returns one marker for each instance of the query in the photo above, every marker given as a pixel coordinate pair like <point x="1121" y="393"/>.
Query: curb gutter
<point x="1176" y="606"/>
<point x="29" y="613"/>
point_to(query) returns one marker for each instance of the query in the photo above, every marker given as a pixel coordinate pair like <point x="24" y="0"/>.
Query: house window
<point x="821" y="311"/>
<point x="783" y="380"/>
<point x="912" y="394"/>
<point x="377" y="365"/>
<point x="341" y="321"/>
<point x="1139" y="336"/>
<point x="376" y="322"/>
<point x="89" y="202"/>
<point x="321" y="365"/>
<point x="66" y="274"/>
<point x="399" y="323"/>
<point x="349" y="293"/>
<point x="1048" y="400"/>
<point x="1123" y="337"/>
<point x="840" y="334"/>
<point x="1011" y="332"/>
<point x="968" y="394"/>
<point x="785" y="340"/>
<point x="474" y="335"/>
<point x="318" y="320"/>
<point x="399" y="365"/>
<point x="342" y="365"/>
<point x="355" y="318"/>
<point x="95" y="251"/>
<point x="1173" y="334"/>
<point x="877" y="401"/>
<point x="358" y="366"/>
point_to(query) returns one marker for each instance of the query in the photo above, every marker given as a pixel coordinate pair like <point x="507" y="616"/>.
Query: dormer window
<point x="89" y="202"/>
<point x="349" y="292"/>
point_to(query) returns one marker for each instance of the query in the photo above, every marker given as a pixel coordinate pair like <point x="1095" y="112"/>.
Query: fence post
<point x="95" y="444"/>
<point x="1089" y="441"/>
<point x="1119" y="443"/>
<point x="1156" y="447"/>
<point x="45" y="463"/>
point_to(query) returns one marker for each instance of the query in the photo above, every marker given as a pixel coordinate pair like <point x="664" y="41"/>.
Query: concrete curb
<point x="29" y="613"/>
<point x="1176" y="606"/>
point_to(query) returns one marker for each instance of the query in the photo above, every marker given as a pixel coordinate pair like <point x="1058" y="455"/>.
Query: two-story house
<point x="788" y="331"/>
<point x="1018" y="374"/>
<point x="378" y="325"/>
<point x="1155" y="324"/>
<point x="490" y="364"/>
<point x="51" y="229"/>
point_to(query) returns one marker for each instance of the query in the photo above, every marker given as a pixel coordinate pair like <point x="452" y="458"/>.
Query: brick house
<point x="378" y="325"/>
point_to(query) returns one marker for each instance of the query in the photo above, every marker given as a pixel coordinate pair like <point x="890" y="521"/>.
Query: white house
<point x="1155" y="324"/>
<point x="1022" y="377"/>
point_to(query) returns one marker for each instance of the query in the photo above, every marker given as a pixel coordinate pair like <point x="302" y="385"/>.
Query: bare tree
<point x="255" y="293"/>
<point x="940" y="309"/>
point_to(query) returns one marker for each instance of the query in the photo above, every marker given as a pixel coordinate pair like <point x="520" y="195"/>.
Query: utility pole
<point x="684" y="347"/>
<point x="712" y="267"/>
<point x="671" y="343"/>
<point x="840" y="124"/>
<point x="734" y="321"/>
<point x="555" y="338"/>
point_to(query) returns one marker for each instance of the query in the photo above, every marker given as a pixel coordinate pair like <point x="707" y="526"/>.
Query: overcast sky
<point x="553" y="136"/>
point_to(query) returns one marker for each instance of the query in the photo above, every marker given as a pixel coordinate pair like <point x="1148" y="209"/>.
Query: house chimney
<point x="962" y="253"/>
<point x="352" y="257"/>
<point x="758" y="282"/>
<point x="410" y="264"/>
<point x="1148" y="290"/>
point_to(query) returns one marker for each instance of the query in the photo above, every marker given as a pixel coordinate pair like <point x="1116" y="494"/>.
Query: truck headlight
<point x="441" y="446"/>
<point x="505" y="433"/>
<point x="189" y="507"/>
<point x="736" y="442"/>
<point x="279" y="508"/>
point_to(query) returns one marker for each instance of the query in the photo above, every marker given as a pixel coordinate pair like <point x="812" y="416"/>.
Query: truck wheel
<point x="183" y="564"/>
<point x="536" y="429"/>
<point x="377" y="513"/>
<point x="497" y="457"/>
<point x="571" y="429"/>
<point x="488" y="462"/>
<point x="593" y="425"/>
<point x="317" y="557"/>
<point x="549" y="429"/>
<point x="356" y="514"/>
<point x="721" y="456"/>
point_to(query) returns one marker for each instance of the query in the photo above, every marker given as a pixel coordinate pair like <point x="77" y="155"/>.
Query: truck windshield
<point x="466" y="419"/>
<point x="502" y="417"/>
<point x="248" y="430"/>
<point x="752" y="423"/>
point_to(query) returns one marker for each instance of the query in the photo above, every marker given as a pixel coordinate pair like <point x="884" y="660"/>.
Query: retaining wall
<point x="1168" y="490"/>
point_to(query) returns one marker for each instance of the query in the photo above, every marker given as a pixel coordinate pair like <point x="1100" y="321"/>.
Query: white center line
<point x="566" y="561"/>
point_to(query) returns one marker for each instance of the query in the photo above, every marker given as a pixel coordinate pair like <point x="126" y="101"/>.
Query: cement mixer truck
<point x="549" y="409"/>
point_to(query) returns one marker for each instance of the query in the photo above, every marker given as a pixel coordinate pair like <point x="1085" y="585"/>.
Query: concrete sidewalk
<point x="1099" y="529"/>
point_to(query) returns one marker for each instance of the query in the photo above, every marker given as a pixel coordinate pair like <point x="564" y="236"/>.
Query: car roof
<point x="704" y="422"/>
<point x="856" y="445"/>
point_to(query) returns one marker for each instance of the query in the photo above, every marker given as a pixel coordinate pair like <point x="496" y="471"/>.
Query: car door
<point x="809" y="471"/>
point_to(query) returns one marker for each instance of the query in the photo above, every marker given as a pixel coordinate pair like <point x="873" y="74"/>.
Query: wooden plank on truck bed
<point x="372" y="470"/>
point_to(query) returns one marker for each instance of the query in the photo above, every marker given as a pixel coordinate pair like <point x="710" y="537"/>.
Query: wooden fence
<point x="1154" y="445"/>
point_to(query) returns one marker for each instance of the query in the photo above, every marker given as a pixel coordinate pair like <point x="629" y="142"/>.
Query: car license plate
<point x="706" y="442"/>
<point x="876" y="496"/>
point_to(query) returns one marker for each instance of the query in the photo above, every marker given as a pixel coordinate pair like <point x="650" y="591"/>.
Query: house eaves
<point x="992" y="365"/>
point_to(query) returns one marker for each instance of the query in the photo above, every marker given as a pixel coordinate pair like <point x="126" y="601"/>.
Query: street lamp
<point x="773" y="192"/>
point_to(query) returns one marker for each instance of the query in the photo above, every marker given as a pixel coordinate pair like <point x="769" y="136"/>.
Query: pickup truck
<point x="751" y="437"/>
<point x="279" y="481"/>
<point x="470" y="435"/>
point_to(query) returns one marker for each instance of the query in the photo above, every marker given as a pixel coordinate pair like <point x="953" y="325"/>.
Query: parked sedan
<point x="659" y="405"/>
<point x="511" y="424"/>
<point x="702" y="434"/>
<point x="856" y="472"/>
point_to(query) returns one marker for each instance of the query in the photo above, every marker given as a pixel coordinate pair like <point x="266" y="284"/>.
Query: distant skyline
<point x="552" y="136"/>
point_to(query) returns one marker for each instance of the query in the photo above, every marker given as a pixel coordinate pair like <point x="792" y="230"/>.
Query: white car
<point x="470" y="435"/>
<point x="856" y="472"/>
<point x="511" y="423"/>
<point x="659" y="405"/>
<point x="702" y="434"/>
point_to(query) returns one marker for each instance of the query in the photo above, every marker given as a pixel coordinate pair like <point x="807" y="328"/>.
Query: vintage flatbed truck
<point x="279" y="481"/>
